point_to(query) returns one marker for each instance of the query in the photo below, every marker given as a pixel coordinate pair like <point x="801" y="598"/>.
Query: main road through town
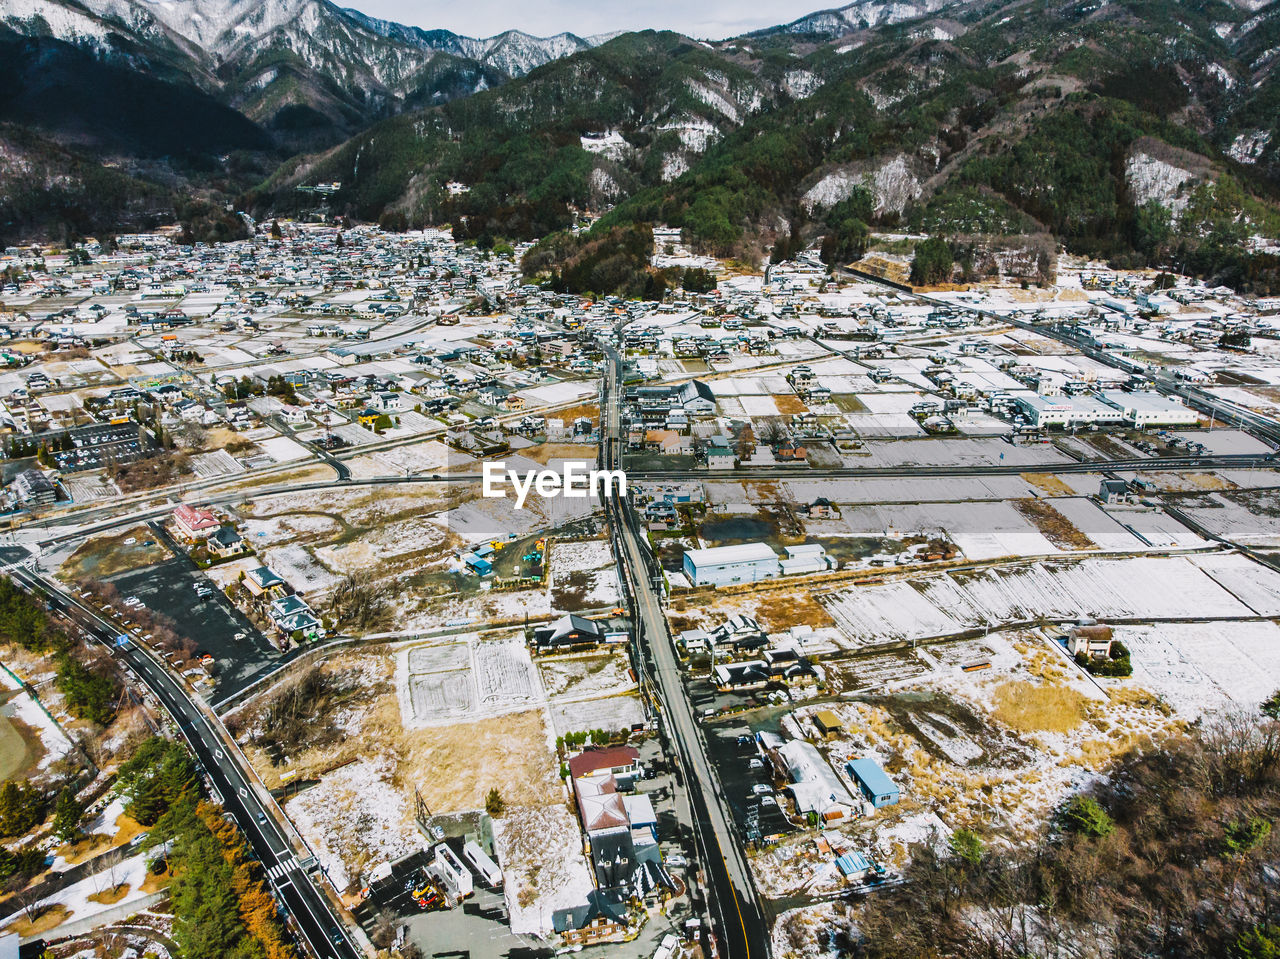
<point x="741" y="925"/>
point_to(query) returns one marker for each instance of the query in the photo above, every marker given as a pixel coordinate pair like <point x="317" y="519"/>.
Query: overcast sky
<point x="707" y="19"/>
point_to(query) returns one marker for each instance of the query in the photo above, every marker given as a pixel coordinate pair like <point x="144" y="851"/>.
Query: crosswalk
<point x="279" y="871"/>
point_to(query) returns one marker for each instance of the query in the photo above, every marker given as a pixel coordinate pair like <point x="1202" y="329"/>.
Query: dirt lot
<point x="546" y="452"/>
<point x="1056" y="528"/>
<point x="789" y="404"/>
<point x="1048" y="483"/>
<point x="453" y="766"/>
<point x="107" y="555"/>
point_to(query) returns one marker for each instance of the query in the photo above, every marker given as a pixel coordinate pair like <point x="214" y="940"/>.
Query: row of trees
<point x="221" y="904"/>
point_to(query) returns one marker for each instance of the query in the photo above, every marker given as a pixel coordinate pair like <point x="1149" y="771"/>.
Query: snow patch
<point x="608" y="144"/>
<point x="1153" y="179"/>
<point x="673" y="166"/>
<point x="601" y="182"/>
<point x="1248" y="146"/>
<point x="801" y="83"/>
<point x="714" y="100"/>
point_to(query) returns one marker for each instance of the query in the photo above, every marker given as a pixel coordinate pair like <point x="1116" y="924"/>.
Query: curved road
<point x="309" y="911"/>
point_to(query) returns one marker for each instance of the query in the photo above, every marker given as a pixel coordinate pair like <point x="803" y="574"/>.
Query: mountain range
<point x="1145" y="129"/>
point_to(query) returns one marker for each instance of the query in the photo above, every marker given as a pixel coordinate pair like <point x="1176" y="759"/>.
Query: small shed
<point x="853" y="866"/>
<point x="828" y="724"/>
<point x="874" y="783"/>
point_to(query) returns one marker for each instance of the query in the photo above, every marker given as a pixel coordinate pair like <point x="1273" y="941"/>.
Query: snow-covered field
<point x="1202" y="668"/>
<point x="300" y="569"/>
<point x="442" y="684"/>
<point x="592" y="557"/>
<point x="1133" y="588"/>
<point x="355" y="818"/>
<point x="611" y="712"/>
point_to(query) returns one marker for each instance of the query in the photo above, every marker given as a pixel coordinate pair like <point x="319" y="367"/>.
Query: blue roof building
<point x="853" y="866"/>
<point x="874" y="782"/>
<point x="481" y="567"/>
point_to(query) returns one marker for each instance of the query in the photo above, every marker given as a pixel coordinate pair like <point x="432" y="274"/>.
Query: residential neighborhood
<point x="890" y="571"/>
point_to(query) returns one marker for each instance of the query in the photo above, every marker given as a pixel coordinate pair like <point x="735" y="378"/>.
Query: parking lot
<point x="103" y="444"/>
<point x="240" y="652"/>
<point x="747" y="778"/>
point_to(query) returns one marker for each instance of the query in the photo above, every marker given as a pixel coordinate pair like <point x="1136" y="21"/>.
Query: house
<point x="787" y="450"/>
<point x="694" y="397"/>
<point x="740" y="677"/>
<point x="225" y="542"/>
<point x="492" y="396"/>
<point x="740" y="632"/>
<point x="600" y="805"/>
<point x="368" y="417"/>
<point x="720" y="455"/>
<point x="263" y="582"/>
<point x="1113" y="491"/>
<point x="292" y="616"/>
<point x="193" y="522"/>
<point x="786" y="665"/>
<point x="1093" y="641"/>
<point x="721" y="565"/>
<point x="386" y="402"/>
<point x="34" y="488"/>
<point x="293" y="415"/>
<point x="566" y="632"/>
<point x="821" y="508"/>
<point x="668" y="442"/>
<point x="620" y="762"/>
<point x="876" y="786"/>
<point x="602" y="918"/>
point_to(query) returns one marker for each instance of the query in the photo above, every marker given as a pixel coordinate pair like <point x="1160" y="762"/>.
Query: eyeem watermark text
<point x="576" y="482"/>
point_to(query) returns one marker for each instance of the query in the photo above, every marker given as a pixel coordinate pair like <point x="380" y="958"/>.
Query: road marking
<point x="277" y="871"/>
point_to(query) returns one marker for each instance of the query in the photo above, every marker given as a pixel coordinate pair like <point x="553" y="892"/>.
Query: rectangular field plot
<point x="457" y="682"/>
<point x="434" y="659"/>
<point x="442" y="694"/>
<point x="1226" y="585"/>
<point x="503" y="673"/>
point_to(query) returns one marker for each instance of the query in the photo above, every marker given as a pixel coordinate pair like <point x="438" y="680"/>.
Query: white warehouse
<point x="722" y="565"/>
<point x="1045" y="411"/>
<point x="1151" y="409"/>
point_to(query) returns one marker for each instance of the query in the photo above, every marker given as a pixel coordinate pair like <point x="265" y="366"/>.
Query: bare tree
<point x="359" y="602"/>
<point x="30" y="898"/>
<point x="383" y="932"/>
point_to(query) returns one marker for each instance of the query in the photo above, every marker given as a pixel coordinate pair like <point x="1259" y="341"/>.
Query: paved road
<point x="1207" y="461"/>
<point x="314" y="919"/>
<point x="740" y="919"/>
